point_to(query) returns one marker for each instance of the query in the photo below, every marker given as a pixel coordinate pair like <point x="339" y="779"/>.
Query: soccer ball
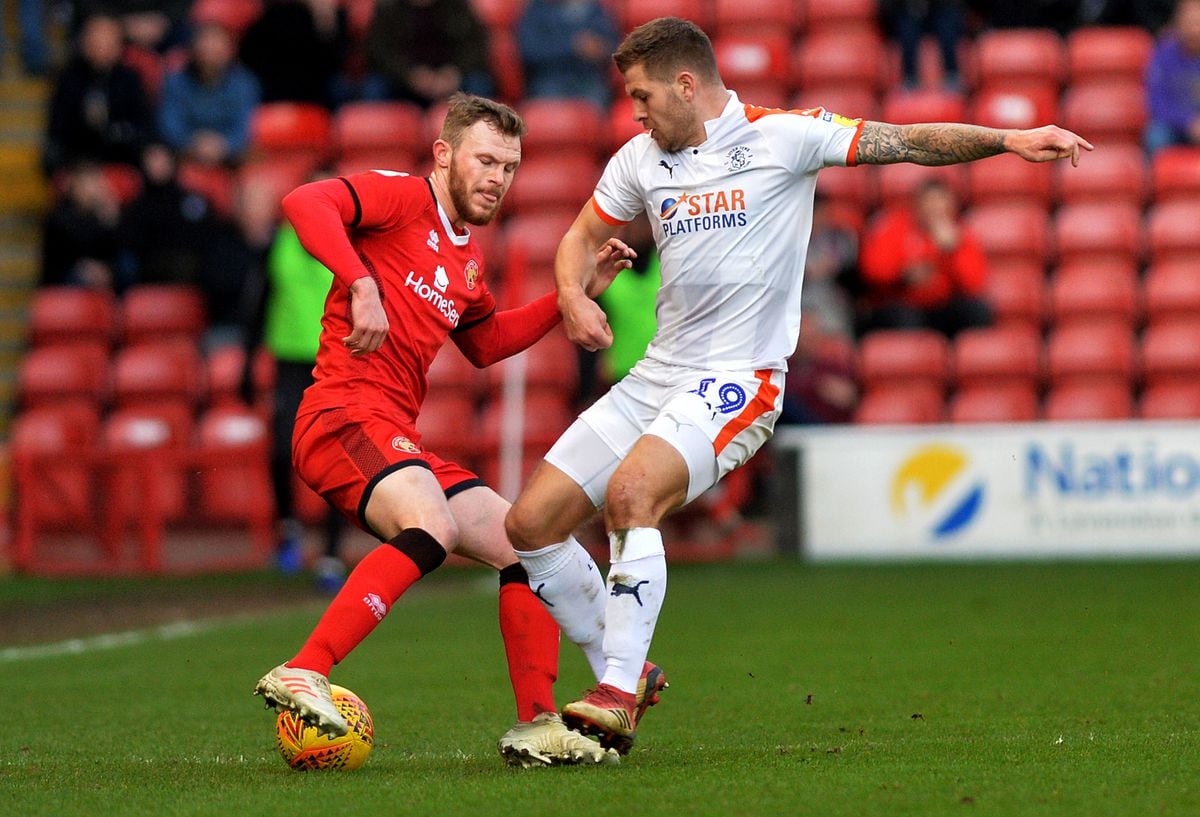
<point x="302" y="748"/>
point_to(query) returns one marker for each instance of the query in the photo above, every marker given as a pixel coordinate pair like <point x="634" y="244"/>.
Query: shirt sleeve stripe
<point x="357" y="203"/>
<point x="605" y="217"/>
<point x="852" y="152"/>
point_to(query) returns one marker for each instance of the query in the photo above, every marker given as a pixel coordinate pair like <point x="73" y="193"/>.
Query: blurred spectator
<point x="1149" y="14"/>
<point x="207" y="105"/>
<point x="565" y="49"/>
<point x="155" y="25"/>
<point x="166" y="231"/>
<point x="1060" y="15"/>
<point x="79" y="238"/>
<point x="296" y="49"/>
<point x="830" y="267"/>
<point x="32" y="46"/>
<point x="910" y="20"/>
<point x="1173" y="82"/>
<point x="922" y="268"/>
<point x="425" y="50"/>
<point x="820" y="385"/>
<point x="98" y="108"/>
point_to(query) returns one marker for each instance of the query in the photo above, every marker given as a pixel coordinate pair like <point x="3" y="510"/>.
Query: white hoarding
<point x="1038" y="490"/>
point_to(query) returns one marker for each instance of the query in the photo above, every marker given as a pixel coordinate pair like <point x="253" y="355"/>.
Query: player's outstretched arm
<point x="949" y="143"/>
<point x="576" y="265"/>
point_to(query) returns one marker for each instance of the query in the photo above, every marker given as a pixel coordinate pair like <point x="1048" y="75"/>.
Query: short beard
<point x="460" y="197"/>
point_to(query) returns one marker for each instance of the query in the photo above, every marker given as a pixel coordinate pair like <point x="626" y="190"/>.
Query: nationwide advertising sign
<point x="1028" y="491"/>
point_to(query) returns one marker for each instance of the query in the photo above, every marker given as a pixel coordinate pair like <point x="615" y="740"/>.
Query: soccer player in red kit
<point x="408" y="275"/>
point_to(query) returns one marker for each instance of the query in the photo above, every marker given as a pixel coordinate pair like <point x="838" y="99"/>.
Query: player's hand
<point x="1047" y="143"/>
<point x="585" y="322"/>
<point x="612" y="257"/>
<point x="368" y="320"/>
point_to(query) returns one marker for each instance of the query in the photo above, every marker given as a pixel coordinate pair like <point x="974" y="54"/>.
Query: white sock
<point x="566" y="579"/>
<point x="637" y="583"/>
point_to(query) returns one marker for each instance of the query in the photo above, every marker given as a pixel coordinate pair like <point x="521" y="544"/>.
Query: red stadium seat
<point x="234" y="15"/>
<point x="891" y="357"/>
<point x="898" y="182"/>
<point x="1105" y="291"/>
<point x="452" y="373"/>
<point x="1099" y="232"/>
<point x="71" y="315"/>
<point x="1019" y="57"/>
<point x="845" y="16"/>
<point x="751" y="59"/>
<point x="498" y="13"/>
<point x="1105" y="53"/>
<point x="997" y="356"/>
<point x="835" y="60"/>
<point x="224" y="369"/>
<point x="151" y="475"/>
<point x="563" y="125"/>
<point x="1017" y="295"/>
<point x="1170" y="401"/>
<point x="912" y="404"/>
<point x="532" y="239"/>
<point x="621" y="125"/>
<point x="233" y="484"/>
<point x="1106" y="112"/>
<point x="1012" y="232"/>
<point x="292" y="129"/>
<point x="148" y="373"/>
<point x="1171" y="231"/>
<point x="1172" y="291"/>
<point x="444" y="423"/>
<point x="1171" y="353"/>
<point x="1009" y="180"/>
<point x="741" y="17"/>
<point x="379" y="129"/>
<point x="767" y="92"/>
<point x="1115" y="172"/>
<point x="1176" y="173"/>
<point x="994" y="404"/>
<point x="53" y="485"/>
<point x="153" y="312"/>
<point x="853" y="187"/>
<point x="216" y="185"/>
<point x="1085" y="402"/>
<point x="553" y="183"/>
<point x="545" y="418"/>
<point x="1014" y="106"/>
<point x="1091" y="353"/>
<point x="635" y="12"/>
<point x="551" y="367"/>
<point x="51" y="375"/>
<point x="903" y="107"/>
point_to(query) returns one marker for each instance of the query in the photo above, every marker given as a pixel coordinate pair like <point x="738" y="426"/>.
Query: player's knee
<point x="520" y="523"/>
<point x="626" y="505"/>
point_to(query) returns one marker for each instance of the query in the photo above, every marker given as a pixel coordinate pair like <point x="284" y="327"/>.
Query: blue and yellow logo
<point x="938" y="475"/>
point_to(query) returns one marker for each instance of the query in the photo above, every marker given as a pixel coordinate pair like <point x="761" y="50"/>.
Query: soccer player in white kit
<point x="728" y="188"/>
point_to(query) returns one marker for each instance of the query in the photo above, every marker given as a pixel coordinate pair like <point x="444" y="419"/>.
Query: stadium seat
<point x="994" y="404"/>
<point x="553" y="184"/>
<point x="52" y="481"/>
<point x="997" y="356"/>
<point x="1172" y="291"/>
<point x="153" y="312"/>
<point x="834" y="60"/>
<point x="268" y="180"/>
<point x="856" y="188"/>
<point x="1011" y="232"/>
<point x="1017" y="295"/>
<point x="1170" y="401"/>
<point x="292" y="129"/>
<point x="50" y="375"/>
<point x="898" y="182"/>
<point x="234" y="15"/>
<point x="234" y="480"/>
<point x="563" y="125"/>
<point x="1095" y="290"/>
<point x="65" y="314"/>
<point x="632" y="13"/>
<point x="912" y="404"/>
<point x="751" y="59"/>
<point x="447" y="424"/>
<point x="1118" y="173"/>
<point x="1171" y="353"/>
<point x="1100" y="232"/>
<point x="851" y="102"/>
<point x="755" y="17"/>
<point x="224" y="369"/>
<point x="1085" y="402"/>
<point x="1105" y="53"/>
<point x="451" y="373"/>
<point x="498" y="13"/>
<point x="847" y="17"/>
<point x="1019" y="57"/>
<point x="504" y="61"/>
<point x="546" y="417"/>
<point x="1106" y="112"/>
<point x="905" y="107"/>
<point x="621" y="125"/>
<point x="766" y="92"/>
<point x="1175" y="173"/>
<point x="217" y="185"/>
<point x="125" y="182"/>
<point x="1091" y="353"/>
<point x="1009" y="106"/>
<point x="1171" y="231"/>
<point x="551" y="367"/>
<point x="1009" y="180"/>
<point x="370" y="130"/>
<point x="147" y="373"/>
<point x="890" y="357"/>
<point x="531" y="240"/>
<point x="147" y="484"/>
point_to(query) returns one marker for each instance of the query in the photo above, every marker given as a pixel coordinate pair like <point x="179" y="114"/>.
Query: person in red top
<point x="922" y="268"/>
<point x="407" y="276"/>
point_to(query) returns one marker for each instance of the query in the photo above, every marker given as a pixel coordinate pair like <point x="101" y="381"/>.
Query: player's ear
<point x="685" y="81"/>
<point x="442" y="152"/>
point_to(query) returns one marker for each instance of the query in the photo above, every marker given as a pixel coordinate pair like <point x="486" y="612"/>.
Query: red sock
<point x="530" y="644"/>
<point x="368" y="594"/>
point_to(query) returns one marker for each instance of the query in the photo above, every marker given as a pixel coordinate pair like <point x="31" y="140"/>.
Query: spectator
<point x="154" y="25"/>
<point x="79" y="238"/>
<point x="565" y="47"/>
<point x="1173" y="82"/>
<point x="922" y="268"/>
<point x="910" y="20"/>
<point x="820" y="386"/>
<point x="296" y="49"/>
<point x="425" y="50"/>
<point x="829" y="269"/>
<point x="98" y="108"/>
<point x="1060" y="15"/>
<point x="208" y="104"/>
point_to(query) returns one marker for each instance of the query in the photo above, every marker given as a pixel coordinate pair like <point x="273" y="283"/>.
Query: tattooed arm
<point x="950" y="143"/>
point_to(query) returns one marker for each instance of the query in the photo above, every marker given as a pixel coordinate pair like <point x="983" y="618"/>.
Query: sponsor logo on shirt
<point x="471" y="273"/>
<point x="431" y="294"/>
<point x="838" y="119"/>
<point x="702" y="211"/>
<point x="668" y="166"/>
<point x="440" y="279"/>
<point x="405" y="444"/>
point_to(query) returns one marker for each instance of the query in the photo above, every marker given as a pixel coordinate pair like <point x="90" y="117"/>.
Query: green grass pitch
<point x="1035" y="689"/>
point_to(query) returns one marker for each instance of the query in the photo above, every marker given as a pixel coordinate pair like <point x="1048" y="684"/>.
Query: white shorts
<point x="715" y="420"/>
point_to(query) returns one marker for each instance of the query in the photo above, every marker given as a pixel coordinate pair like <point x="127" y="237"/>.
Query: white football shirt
<point x="731" y="218"/>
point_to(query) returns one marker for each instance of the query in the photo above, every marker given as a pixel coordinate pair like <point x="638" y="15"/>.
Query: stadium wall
<point x="1044" y="490"/>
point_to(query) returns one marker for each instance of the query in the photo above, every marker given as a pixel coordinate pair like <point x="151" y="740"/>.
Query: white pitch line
<point x="107" y="641"/>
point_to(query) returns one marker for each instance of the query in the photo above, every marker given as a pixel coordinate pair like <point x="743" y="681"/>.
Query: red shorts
<point x="343" y="456"/>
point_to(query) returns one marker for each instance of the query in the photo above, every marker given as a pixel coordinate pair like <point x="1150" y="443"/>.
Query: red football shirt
<point x="430" y="279"/>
